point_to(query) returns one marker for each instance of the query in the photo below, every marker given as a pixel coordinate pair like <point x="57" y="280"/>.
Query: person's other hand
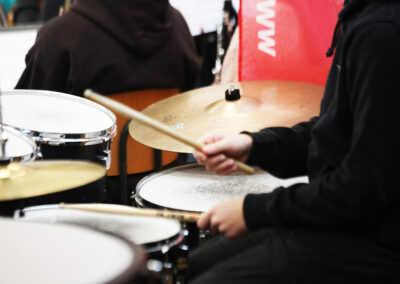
<point x="225" y="218"/>
<point x="219" y="152"/>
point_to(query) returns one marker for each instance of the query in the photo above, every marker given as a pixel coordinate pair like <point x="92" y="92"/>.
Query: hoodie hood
<point x="350" y="7"/>
<point x="142" y="26"/>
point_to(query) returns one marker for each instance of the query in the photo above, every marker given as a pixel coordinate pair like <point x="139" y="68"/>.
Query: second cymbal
<point x="31" y="179"/>
<point x="262" y="104"/>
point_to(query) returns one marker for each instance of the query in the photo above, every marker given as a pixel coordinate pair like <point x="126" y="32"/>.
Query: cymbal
<point x="197" y="112"/>
<point x="30" y="179"/>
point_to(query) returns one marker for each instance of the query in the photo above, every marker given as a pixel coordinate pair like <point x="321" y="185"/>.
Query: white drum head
<point x="52" y="112"/>
<point x="137" y="229"/>
<point x="48" y="253"/>
<point x="193" y="188"/>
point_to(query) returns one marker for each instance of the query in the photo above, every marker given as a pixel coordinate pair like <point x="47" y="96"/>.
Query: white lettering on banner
<point x="266" y="18"/>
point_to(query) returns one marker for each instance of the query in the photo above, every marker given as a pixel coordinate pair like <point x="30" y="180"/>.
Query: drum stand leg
<point x="157" y="159"/>
<point x="123" y="179"/>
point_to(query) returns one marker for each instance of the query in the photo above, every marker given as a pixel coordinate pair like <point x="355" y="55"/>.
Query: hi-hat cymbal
<point x="197" y="112"/>
<point x="23" y="180"/>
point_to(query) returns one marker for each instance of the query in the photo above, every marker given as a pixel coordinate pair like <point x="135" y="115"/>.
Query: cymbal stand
<point x="219" y="55"/>
<point x="3" y="137"/>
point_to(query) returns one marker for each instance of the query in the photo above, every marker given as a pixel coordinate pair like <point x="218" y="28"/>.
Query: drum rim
<point x="28" y="157"/>
<point x="58" y="137"/>
<point x="143" y="202"/>
<point x="139" y="256"/>
<point x="161" y="245"/>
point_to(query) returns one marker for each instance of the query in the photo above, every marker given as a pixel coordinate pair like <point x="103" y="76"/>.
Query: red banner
<point x="286" y="39"/>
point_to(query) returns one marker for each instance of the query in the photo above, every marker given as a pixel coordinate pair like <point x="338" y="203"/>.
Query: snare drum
<point x="48" y="253"/>
<point x="18" y="148"/>
<point x="162" y="238"/>
<point x="193" y="188"/>
<point x="64" y="126"/>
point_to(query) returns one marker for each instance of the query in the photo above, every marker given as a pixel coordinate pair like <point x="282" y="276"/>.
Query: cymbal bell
<point x="197" y="112"/>
<point x="30" y="179"/>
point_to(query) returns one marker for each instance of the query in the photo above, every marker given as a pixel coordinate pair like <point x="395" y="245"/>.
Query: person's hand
<point x="225" y="218"/>
<point x="219" y="152"/>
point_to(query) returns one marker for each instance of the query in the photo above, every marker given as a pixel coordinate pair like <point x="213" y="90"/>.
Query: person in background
<point x="343" y="226"/>
<point x="112" y="46"/>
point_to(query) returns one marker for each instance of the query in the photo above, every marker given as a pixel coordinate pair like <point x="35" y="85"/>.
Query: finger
<point x="226" y="167"/>
<point x="211" y="138"/>
<point x="214" y="230"/>
<point x="200" y="157"/>
<point x="220" y="146"/>
<point x="213" y="162"/>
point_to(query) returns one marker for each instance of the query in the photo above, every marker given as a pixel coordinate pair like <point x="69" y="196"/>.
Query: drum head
<point x="43" y="113"/>
<point x="18" y="147"/>
<point x="137" y="229"/>
<point x="49" y="253"/>
<point x="193" y="188"/>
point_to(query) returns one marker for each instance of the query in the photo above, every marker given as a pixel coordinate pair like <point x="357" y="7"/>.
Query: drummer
<point x="342" y="227"/>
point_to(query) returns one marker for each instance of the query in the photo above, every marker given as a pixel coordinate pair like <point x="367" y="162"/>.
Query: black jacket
<point x="113" y="46"/>
<point x="351" y="151"/>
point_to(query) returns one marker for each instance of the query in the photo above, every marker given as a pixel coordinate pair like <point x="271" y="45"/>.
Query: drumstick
<point x="128" y="210"/>
<point x="129" y="112"/>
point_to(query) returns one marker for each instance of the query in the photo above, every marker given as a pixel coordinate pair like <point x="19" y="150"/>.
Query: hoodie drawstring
<point x="336" y="33"/>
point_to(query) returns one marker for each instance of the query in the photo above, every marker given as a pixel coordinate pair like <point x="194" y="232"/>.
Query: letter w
<point x="267" y="36"/>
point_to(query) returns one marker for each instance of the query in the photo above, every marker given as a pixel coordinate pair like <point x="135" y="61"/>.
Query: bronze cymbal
<point x="30" y="179"/>
<point x="197" y="112"/>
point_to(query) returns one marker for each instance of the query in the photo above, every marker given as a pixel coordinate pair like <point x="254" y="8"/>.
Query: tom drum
<point x="48" y="253"/>
<point x="161" y="238"/>
<point x="63" y="126"/>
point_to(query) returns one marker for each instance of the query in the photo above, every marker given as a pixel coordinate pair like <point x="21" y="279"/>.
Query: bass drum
<point x="161" y="238"/>
<point x="193" y="188"/>
<point x="49" y="253"/>
<point x="18" y="148"/>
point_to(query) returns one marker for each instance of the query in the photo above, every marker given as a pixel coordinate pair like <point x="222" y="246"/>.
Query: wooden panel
<point x="139" y="156"/>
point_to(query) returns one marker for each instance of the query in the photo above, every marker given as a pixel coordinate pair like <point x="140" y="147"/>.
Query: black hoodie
<point x="351" y="151"/>
<point x="113" y="46"/>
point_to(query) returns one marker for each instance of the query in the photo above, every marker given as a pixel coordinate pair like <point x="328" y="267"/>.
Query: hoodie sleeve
<point x="365" y="186"/>
<point x="282" y="151"/>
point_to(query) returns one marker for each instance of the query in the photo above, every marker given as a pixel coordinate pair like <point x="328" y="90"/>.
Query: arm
<point x="364" y="187"/>
<point x="282" y="151"/>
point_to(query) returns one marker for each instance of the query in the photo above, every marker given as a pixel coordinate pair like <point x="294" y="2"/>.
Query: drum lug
<point x="105" y="157"/>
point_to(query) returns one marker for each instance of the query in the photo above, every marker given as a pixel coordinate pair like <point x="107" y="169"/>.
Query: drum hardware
<point x="261" y="104"/>
<point x="148" y="121"/>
